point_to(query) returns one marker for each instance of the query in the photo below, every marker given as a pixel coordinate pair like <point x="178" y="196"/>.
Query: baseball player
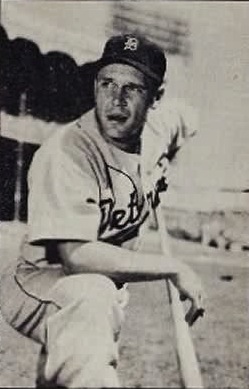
<point x="87" y="204"/>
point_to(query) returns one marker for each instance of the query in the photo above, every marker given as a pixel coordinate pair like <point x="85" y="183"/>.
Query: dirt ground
<point x="147" y="354"/>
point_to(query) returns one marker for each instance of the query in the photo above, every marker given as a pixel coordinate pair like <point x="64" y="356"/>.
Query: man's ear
<point x="158" y="95"/>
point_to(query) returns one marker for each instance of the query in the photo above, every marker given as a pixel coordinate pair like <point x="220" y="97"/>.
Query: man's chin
<point x="117" y="125"/>
<point x="116" y="130"/>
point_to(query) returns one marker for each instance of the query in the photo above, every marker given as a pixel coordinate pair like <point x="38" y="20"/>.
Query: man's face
<point x="122" y="100"/>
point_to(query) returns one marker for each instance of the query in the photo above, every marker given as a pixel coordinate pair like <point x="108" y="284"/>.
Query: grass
<point x="147" y="355"/>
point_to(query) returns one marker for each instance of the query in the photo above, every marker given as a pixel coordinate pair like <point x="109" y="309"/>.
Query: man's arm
<point x="124" y="265"/>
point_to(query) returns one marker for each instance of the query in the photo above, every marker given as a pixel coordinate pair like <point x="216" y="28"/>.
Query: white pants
<point x="77" y="320"/>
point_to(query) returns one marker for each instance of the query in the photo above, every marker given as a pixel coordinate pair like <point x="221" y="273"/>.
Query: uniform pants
<point x="76" y="319"/>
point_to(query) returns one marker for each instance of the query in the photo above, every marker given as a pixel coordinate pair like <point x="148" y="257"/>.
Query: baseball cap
<point x="137" y="51"/>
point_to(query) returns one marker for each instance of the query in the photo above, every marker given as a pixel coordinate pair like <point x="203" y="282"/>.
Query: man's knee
<point x="81" y="337"/>
<point x="83" y="286"/>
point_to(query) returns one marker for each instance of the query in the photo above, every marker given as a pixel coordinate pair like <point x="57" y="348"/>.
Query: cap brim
<point x="138" y="65"/>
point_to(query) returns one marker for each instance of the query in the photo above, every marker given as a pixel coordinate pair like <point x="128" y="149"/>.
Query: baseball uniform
<point x="81" y="188"/>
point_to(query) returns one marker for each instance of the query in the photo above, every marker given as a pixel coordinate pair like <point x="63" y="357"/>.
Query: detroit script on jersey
<point x="83" y="188"/>
<point x="123" y="211"/>
<point x="126" y="196"/>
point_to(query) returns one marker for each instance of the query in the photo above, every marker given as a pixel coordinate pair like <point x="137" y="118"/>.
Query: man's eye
<point x="106" y="83"/>
<point x="135" y="89"/>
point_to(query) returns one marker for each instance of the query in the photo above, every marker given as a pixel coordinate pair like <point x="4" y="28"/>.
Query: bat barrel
<point x="188" y="364"/>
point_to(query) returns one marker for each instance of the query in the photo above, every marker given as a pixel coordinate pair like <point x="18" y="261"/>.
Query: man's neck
<point x="132" y="146"/>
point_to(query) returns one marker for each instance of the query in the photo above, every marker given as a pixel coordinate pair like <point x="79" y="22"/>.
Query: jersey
<point x="84" y="188"/>
<point x="166" y="130"/>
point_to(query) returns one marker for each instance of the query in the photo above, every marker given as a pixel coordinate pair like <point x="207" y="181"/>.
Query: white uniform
<point x="81" y="188"/>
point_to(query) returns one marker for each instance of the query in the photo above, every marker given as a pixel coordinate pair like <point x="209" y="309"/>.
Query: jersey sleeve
<point x="63" y="197"/>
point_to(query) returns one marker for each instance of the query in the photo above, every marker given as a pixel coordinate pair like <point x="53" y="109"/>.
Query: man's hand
<point x="190" y="288"/>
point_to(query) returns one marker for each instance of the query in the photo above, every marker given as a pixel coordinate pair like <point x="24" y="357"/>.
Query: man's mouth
<point x="117" y="117"/>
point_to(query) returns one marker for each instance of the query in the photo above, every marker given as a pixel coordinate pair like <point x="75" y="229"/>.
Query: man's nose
<point x="118" y="96"/>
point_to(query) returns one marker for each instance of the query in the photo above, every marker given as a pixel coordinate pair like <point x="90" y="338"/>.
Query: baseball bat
<point x="188" y="364"/>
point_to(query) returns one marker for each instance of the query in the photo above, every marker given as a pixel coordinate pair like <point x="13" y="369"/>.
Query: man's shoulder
<point x="173" y="116"/>
<point x="80" y="144"/>
<point x="77" y="134"/>
<point x="67" y="139"/>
